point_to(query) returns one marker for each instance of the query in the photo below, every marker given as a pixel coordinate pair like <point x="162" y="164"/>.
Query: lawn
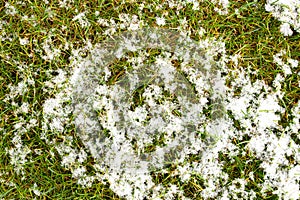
<point x="160" y="99"/>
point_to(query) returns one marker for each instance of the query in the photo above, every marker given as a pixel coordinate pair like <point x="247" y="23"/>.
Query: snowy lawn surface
<point x="152" y="99"/>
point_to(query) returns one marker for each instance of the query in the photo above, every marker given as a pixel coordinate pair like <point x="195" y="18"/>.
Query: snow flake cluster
<point x="287" y="12"/>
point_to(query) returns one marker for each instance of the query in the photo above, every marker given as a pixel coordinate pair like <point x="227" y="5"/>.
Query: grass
<point x="253" y="34"/>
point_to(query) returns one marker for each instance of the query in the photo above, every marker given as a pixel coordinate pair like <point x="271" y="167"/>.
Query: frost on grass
<point x="287" y="12"/>
<point x="82" y="20"/>
<point x="10" y="9"/>
<point x="221" y="6"/>
<point x="100" y="107"/>
<point x="117" y="132"/>
<point x="253" y="110"/>
<point x="50" y="51"/>
<point x="116" y="115"/>
<point x="255" y="105"/>
<point x="288" y="65"/>
<point x="127" y="22"/>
